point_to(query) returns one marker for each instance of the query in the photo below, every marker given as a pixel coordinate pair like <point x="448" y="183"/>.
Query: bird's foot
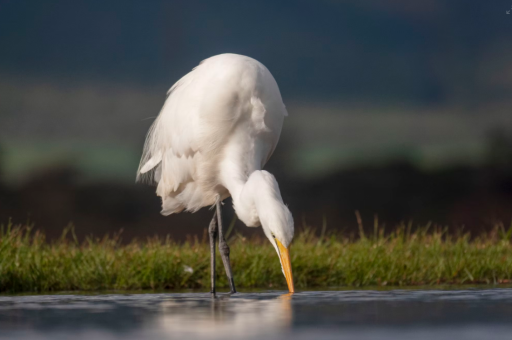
<point x="232" y="286"/>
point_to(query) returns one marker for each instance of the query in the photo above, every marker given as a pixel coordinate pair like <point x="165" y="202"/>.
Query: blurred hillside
<point x="425" y="52"/>
<point x="397" y="108"/>
<point x="363" y="81"/>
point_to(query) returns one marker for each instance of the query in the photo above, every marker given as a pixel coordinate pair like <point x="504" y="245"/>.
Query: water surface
<point x="351" y="314"/>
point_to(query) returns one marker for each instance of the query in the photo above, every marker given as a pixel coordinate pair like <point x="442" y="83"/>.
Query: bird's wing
<point x="171" y="140"/>
<point x="197" y="116"/>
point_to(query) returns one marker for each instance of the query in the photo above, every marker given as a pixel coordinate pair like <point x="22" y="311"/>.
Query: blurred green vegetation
<point x="403" y="257"/>
<point x="339" y="138"/>
<point x="94" y="160"/>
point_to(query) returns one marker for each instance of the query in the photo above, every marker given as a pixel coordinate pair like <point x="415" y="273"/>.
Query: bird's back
<point x="227" y="110"/>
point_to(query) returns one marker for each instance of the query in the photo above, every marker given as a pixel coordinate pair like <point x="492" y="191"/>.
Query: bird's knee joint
<point x="224" y="248"/>
<point x="212" y="229"/>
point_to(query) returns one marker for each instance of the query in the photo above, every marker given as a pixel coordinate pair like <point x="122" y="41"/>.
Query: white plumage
<point x="226" y="101"/>
<point x="217" y="129"/>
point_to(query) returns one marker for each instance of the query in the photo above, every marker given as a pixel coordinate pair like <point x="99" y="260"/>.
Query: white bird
<point x="218" y="127"/>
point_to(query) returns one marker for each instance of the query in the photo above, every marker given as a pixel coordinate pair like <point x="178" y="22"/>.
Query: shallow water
<point x="352" y="314"/>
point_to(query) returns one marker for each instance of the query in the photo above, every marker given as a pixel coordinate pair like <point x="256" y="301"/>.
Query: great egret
<point x="218" y="127"/>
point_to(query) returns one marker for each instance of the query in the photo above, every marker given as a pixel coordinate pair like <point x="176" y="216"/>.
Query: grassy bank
<point x="29" y="263"/>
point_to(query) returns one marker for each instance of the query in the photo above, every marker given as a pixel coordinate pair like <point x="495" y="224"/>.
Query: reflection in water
<point x="226" y="317"/>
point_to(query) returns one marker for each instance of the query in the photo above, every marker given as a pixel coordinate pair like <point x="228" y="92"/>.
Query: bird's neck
<point x="258" y="201"/>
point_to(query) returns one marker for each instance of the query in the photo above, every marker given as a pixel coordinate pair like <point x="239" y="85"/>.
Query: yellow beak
<point x="287" y="265"/>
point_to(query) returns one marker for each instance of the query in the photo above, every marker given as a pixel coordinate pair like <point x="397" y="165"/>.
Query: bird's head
<point x="278" y="228"/>
<point x="260" y="203"/>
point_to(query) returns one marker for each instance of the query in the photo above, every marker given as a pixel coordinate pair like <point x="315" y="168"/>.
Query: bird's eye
<point x="274" y="236"/>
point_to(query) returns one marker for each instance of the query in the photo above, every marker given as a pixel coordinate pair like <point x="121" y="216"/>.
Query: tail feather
<point x="154" y="161"/>
<point x="171" y="205"/>
<point x="151" y="155"/>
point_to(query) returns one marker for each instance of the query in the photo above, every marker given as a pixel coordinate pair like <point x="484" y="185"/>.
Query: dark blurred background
<point x="398" y="108"/>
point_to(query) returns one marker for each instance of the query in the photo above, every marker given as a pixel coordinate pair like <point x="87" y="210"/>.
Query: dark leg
<point x="224" y="249"/>
<point x="212" y="231"/>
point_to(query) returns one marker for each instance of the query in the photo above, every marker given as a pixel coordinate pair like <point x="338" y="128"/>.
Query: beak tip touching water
<point x="289" y="280"/>
<point x="287" y="265"/>
<point x="290" y="287"/>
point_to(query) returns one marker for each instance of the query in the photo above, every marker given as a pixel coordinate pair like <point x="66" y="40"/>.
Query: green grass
<point x="28" y="263"/>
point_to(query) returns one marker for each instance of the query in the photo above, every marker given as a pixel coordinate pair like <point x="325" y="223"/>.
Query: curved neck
<point x="258" y="201"/>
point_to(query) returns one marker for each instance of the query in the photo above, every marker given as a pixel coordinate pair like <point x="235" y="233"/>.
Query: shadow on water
<point x="356" y="314"/>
